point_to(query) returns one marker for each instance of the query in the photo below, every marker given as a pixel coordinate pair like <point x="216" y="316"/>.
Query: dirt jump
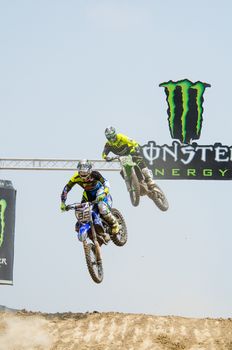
<point x="24" y="330"/>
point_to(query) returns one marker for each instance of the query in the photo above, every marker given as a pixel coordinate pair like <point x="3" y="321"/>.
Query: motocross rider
<point x="96" y="187"/>
<point x="122" y="145"/>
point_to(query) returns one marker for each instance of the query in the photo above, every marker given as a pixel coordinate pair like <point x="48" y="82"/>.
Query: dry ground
<point x="110" y="331"/>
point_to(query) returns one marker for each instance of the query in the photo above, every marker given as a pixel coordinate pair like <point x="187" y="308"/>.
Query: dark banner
<point x="189" y="161"/>
<point x="7" y="227"/>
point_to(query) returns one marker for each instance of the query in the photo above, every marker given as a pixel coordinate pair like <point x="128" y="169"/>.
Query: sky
<point x="69" y="69"/>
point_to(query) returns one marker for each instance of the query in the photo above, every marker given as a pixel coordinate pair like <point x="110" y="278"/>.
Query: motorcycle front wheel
<point x="94" y="265"/>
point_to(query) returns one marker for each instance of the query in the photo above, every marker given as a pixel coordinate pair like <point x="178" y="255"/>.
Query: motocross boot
<point x="113" y="223"/>
<point x="105" y="238"/>
<point x="148" y="178"/>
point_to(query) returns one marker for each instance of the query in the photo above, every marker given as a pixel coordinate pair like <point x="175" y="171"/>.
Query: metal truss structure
<point x="54" y="164"/>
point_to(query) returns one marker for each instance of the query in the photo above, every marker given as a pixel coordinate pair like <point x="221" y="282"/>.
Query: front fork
<point x="96" y="244"/>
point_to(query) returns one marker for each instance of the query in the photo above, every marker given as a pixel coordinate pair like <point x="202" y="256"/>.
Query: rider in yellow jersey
<point x="96" y="187"/>
<point x="122" y="145"/>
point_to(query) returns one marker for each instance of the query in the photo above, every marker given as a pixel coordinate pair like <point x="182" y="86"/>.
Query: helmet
<point x="110" y="133"/>
<point x="84" y="168"/>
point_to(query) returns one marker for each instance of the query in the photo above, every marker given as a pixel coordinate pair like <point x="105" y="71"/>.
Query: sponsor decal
<point x="185" y="158"/>
<point x="3" y="206"/>
<point x="185" y="108"/>
<point x="7" y="225"/>
<point x="3" y="261"/>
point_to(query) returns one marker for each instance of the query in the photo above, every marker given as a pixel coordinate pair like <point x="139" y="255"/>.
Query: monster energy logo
<point x="3" y="206"/>
<point x="185" y="100"/>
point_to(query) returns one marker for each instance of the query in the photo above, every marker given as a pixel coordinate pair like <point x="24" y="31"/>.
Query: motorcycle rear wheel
<point x="95" y="266"/>
<point x="135" y="189"/>
<point x="120" y="238"/>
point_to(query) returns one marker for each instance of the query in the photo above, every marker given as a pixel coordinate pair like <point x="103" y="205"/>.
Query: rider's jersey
<point x="122" y="146"/>
<point x="91" y="185"/>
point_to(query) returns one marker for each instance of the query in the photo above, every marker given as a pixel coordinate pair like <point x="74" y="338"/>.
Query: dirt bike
<point x="92" y="231"/>
<point x="136" y="184"/>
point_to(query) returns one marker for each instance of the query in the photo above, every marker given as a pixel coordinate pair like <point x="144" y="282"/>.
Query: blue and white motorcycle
<point x="93" y="231"/>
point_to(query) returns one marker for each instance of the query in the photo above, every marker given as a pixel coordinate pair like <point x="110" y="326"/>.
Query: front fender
<point x="83" y="231"/>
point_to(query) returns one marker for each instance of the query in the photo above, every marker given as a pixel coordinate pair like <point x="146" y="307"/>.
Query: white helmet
<point x="110" y="133"/>
<point x="84" y="168"/>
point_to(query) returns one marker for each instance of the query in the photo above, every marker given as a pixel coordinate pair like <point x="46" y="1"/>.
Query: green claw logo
<point x="185" y="111"/>
<point x="3" y="206"/>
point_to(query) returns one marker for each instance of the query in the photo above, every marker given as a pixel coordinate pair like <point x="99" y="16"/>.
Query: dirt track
<point x="111" y="331"/>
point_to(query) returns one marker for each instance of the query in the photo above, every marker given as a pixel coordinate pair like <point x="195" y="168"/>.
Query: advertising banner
<point x="185" y="158"/>
<point x="7" y="228"/>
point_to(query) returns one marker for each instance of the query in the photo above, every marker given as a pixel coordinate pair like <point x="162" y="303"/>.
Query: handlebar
<point x="110" y="159"/>
<point x="75" y="206"/>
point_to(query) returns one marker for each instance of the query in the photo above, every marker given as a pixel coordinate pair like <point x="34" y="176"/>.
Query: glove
<point x="138" y="151"/>
<point x="101" y="197"/>
<point x="62" y="206"/>
<point x="134" y="151"/>
<point x="109" y="159"/>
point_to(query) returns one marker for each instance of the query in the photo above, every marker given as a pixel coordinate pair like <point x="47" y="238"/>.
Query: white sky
<point x="68" y="69"/>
